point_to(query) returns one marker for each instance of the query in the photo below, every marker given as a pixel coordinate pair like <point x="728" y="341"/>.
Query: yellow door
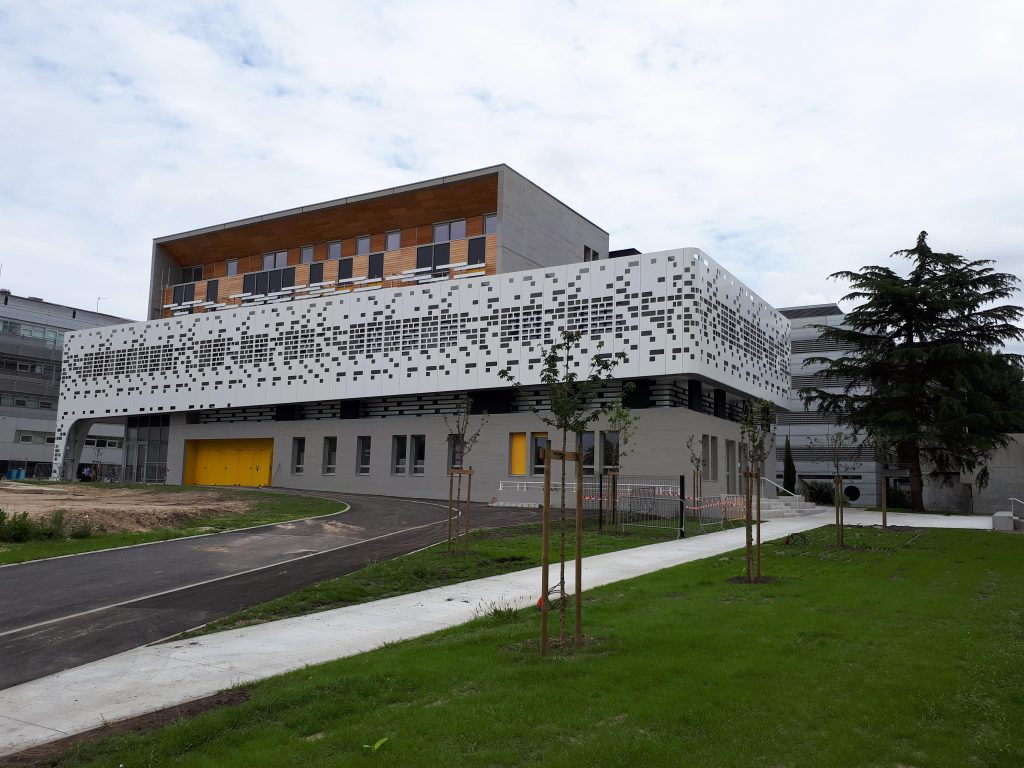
<point x="228" y="462"/>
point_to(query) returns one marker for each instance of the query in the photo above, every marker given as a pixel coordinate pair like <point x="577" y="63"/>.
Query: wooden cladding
<point x="466" y="199"/>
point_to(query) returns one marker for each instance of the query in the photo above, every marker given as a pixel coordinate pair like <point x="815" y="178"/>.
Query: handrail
<point x="1012" y="499"/>
<point x="766" y="480"/>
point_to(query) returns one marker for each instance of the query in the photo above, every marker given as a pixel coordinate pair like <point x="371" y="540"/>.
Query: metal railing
<point x="779" y="487"/>
<point x="1012" y="510"/>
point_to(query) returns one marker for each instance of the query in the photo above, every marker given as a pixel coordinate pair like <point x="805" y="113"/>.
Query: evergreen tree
<point x="788" y="469"/>
<point x="925" y="377"/>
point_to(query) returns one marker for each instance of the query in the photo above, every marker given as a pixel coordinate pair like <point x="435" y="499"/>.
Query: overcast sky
<point x="788" y="140"/>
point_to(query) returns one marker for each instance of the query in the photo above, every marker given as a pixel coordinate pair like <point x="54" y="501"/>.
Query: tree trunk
<point x="916" y="483"/>
<point x="748" y="523"/>
<point x="562" y="615"/>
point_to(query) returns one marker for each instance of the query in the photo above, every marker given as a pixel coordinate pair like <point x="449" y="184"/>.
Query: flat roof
<point x="811" y="310"/>
<point x="342" y="201"/>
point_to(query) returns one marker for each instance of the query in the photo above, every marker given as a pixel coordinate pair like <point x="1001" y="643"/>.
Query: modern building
<point x="808" y="430"/>
<point x="322" y="347"/>
<point x="32" y="335"/>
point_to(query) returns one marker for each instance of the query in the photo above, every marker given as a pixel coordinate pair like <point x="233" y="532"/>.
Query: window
<point x="490" y="223"/>
<point x="419" y="453"/>
<point x="442" y="257"/>
<point x="344" y="269"/>
<point x="27" y="437"/>
<point x="298" y="455"/>
<point x="268" y="282"/>
<point x="454" y="452"/>
<point x="334" y="250"/>
<point x="517" y="453"/>
<point x="610" y="450"/>
<point x="306" y="254"/>
<point x="275" y="260"/>
<point x="587" y="253"/>
<point x="477" y="250"/>
<point x="399" y="454"/>
<point x="316" y="272"/>
<point x="363" y="455"/>
<point x="730" y="466"/>
<point x="363" y="245"/>
<point x="394" y="241"/>
<point x="191" y="274"/>
<point x="709" y="458"/>
<point x="232" y="267"/>
<point x="587" y="443"/>
<point x="539" y="441"/>
<point x="442" y="233"/>
<point x="375" y="268"/>
<point x="212" y="289"/>
<point x="457" y="230"/>
<point x="183" y="293"/>
<point x="425" y="257"/>
<point x="330" y="455"/>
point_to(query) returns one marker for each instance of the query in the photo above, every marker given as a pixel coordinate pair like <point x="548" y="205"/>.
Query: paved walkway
<point x="151" y="678"/>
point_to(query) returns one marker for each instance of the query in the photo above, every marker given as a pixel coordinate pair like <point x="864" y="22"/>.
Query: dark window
<point x="362" y="245"/>
<point x="442" y="256"/>
<point x="334" y="250"/>
<point x="298" y="455"/>
<point x="249" y="283"/>
<point x="262" y="282"/>
<point x="477" y="250"/>
<point x="212" y="287"/>
<point x="394" y="241"/>
<point x="288" y="277"/>
<point x="306" y="254"/>
<point x="183" y="293"/>
<point x="424" y="257"/>
<point x="316" y="272"/>
<point x="274" y="281"/>
<point x="363" y="455"/>
<point x="375" y="270"/>
<point x="345" y="269"/>
<point x="419" y="453"/>
<point x="191" y="274"/>
<point x="490" y="224"/>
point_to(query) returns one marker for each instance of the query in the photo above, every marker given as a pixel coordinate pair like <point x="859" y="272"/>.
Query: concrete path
<point x="60" y="613"/>
<point x="147" y="679"/>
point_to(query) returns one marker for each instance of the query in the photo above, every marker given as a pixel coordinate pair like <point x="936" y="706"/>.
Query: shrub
<point x="19" y="528"/>
<point x="16" y="528"/>
<point x="818" y="493"/>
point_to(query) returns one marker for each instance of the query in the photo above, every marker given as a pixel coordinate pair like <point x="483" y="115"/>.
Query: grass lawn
<point x="905" y="650"/>
<point x="492" y="552"/>
<point x="268" y="508"/>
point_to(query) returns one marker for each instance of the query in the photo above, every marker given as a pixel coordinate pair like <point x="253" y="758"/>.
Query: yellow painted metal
<point x="228" y="462"/>
<point x="517" y="453"/>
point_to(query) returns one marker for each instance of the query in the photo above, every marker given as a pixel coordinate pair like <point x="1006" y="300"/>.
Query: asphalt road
<point x="60" y="613"/>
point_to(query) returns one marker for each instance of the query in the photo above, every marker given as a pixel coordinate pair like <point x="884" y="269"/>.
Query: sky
<point x="788" y="140"/>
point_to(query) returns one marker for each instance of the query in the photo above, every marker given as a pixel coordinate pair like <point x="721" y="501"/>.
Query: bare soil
<point x="119" y="509"/>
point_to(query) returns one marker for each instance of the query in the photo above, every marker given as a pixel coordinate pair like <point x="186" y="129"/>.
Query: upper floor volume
<point x="482" y="222"/>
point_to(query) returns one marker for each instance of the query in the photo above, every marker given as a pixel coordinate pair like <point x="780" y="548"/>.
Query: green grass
<point x="267" y="508"/>
<point x="492" y="552"/>
<point x="884" y="655"/>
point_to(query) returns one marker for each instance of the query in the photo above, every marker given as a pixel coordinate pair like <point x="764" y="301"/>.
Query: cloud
<point x="788" y="140"/>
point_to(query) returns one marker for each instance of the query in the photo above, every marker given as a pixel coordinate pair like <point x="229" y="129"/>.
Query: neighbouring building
<point x="32" y="335"/>
<point x="807" y="429"/>
<point x="322" y="347"/>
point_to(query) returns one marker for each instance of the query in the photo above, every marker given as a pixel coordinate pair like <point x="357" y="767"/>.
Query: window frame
<point x="329" y="463"/>
<point x="400" y="455"/>
<point x="418" y="463"/>
<point x="364" y="445"/>
<point x="397" y="234"/>
<point x="298" y="455"/>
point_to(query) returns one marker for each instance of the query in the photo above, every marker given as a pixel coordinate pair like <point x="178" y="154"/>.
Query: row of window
<point x="444" y="232"/>
<point x="30" y="437"/>
<point x="15" y="365"/>
<point x="15" y="400"/>
<point x="408" y="455"/>
<point x="52" y="336"/>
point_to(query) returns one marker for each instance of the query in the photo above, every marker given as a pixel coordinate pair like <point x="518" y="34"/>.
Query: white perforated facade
<point x="674" y="313"/>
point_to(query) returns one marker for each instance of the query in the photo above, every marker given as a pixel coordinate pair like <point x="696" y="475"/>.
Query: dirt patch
<point x="119" y="509"/>
<point x="47" y="754"/>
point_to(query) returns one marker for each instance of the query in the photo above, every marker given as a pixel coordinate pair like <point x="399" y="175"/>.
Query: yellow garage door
<point x="228" y="462"/>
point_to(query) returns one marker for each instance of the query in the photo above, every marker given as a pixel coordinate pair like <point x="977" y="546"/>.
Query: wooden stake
<point x="545" y="556"/>
<point x="451" y="480"/>
<point x="885" y="502"/>
<point x="469" y="506"/>
<point x="579" y="546"/>
<point x="758" y="481"/>
<point x="747" y="522"/>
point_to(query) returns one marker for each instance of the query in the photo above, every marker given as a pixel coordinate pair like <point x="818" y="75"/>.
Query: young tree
<point x="574" y="407"/>
<point x="461" y="440"/>
<point x="697" y="464"/>
<point x="924" y="376"/>
<point x="836" y="447"/>
<point x="788" y="469"/>
<point x="621" y="421"/>
<point x="757" y="431"/>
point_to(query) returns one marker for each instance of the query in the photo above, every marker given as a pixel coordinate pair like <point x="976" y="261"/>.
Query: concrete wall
<point x="658" y="449"/>
<point x="538" y="230"/>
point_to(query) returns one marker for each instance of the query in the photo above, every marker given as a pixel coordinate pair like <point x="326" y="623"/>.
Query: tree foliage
<point x="925" y="375"/>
